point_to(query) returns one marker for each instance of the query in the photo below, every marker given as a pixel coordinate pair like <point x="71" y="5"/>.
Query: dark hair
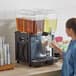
<point x="71" y="23"/>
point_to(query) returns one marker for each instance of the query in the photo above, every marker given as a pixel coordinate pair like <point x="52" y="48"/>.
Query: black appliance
<point x="29" y="49"/>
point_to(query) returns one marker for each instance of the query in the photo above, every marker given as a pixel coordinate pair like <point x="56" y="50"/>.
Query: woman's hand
<point x="54" y="46"/>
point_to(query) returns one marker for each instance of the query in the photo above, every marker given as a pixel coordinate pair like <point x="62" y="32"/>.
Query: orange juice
<point x="19" y="24"/>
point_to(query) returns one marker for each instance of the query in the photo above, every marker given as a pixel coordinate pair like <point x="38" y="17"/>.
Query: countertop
<point x="24" y="70"/>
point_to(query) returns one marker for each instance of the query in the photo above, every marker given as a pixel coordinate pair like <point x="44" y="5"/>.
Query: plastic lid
<point x="34" y="15"/>
<point x="51" y="14"/>
<point x="39" y="14"/>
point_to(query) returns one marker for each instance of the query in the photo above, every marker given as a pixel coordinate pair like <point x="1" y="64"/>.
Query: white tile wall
<point x="7" y="29"/>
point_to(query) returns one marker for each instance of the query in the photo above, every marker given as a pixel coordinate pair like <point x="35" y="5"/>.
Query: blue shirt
<point x="69" y="60"/>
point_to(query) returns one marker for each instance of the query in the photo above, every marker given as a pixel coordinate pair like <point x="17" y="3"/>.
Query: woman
<point x="69" y="58"/>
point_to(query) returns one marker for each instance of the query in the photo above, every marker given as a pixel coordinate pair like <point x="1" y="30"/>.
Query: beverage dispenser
<point x="29" y="41"/>
<point x="33" y="23"/>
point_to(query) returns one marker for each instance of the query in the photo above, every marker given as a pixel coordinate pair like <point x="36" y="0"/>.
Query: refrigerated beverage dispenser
<point x="33" y="30"/>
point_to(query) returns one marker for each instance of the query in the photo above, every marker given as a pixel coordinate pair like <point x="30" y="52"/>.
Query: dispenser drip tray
<point x="42" y="61"/>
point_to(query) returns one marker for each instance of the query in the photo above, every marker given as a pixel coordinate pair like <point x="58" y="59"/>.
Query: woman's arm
<point x="56" y="48"/>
